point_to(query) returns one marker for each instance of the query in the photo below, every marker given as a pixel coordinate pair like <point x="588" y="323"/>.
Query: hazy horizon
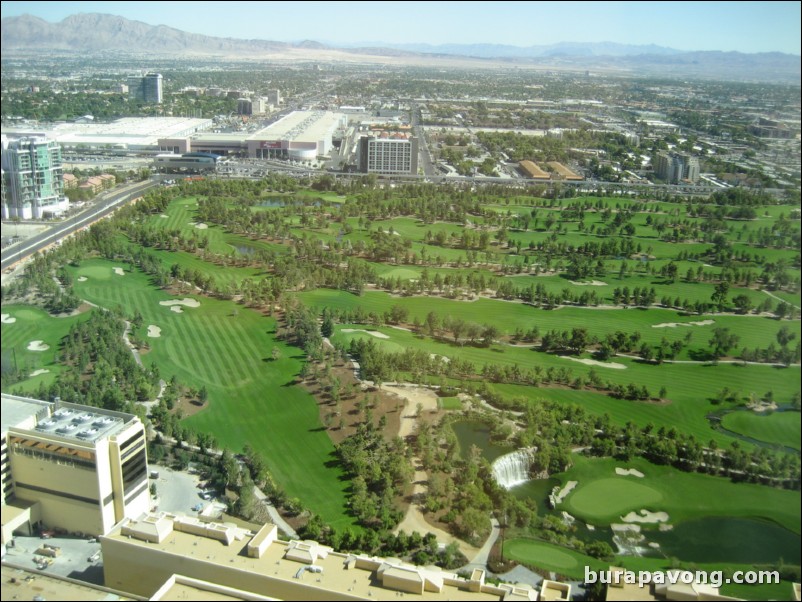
<point x="748" y="27"/>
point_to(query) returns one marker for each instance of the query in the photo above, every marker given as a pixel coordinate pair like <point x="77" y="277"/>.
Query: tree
<point x="719" y="296"/>
<point x="275" y="354"/>
<point x="742" y="303"/>
<point x="722" y="341"/>
<point x="203" y="394"/>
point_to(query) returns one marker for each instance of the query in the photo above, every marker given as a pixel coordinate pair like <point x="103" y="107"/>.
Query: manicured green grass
<point x="682" y="495"/>
<point x="34" y="324"/>
<point x="691" y="387"/>
<point x="252" y="398"/>
<point x="450" y="403"/>
<point x="753" y="331"/>
<point x="614" y="496"/>
<point x="551" y="557"/>
<point x="782" y="428"/>
<point x="571" y="564"/>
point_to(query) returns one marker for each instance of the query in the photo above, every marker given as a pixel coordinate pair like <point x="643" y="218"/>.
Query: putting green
<point x="95" y="272"/>
<point x="543" y="555"/>
<point x="607" y="497"/>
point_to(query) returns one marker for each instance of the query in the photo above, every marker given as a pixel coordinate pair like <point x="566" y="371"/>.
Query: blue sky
<point x="741" y="26"/>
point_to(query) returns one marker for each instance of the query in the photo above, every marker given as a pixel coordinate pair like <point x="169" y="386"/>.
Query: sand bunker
<point x="631" y="472"/>
<point x="591" y="283"/>
<point x="82" y="278"/>
<point x="201" y="226"/>
<point x="675" y="324"/>
<point x="154" y="332"/>
<point x="563" y="493"/>
<point x="589" y="362"/>
<point x="164" y="216"/>
<point x="176" y="303"/>
<point x="39" y="371"/>
<point x="8" y="319"/>
<point x="118" y="271"/>
<point x="177" y="309"/>
<point x="645" y="517"/>
<point x="443" y="358"/>
<point x="38" y="346"/>
<point x="373" y="333"/>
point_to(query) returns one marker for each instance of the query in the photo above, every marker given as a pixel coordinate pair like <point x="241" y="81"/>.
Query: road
<point x="106" y="205"/>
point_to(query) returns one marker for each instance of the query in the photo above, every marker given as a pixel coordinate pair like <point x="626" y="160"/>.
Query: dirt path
<point x="414" y="521"/>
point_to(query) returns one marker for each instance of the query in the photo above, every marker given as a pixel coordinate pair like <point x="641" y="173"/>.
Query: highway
<point x="106" y="205"/>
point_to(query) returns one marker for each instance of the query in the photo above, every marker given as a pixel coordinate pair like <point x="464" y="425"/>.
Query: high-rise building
<point x="274" y="97"/>
<point x="244" y="106"/>
<point x="70" y="466"/>
<point x="33" y="178"/>
<point x="388" y="155"/>
<point x="675" y="167"/>
<point x="152" y="85"/>
<point x="147" y="88"/>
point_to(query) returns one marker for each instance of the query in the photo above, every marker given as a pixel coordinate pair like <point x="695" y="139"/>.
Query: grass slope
<point x="252" y="398"/>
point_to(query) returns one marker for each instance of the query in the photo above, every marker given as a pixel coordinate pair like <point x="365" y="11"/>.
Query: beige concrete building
<point x="69" y="466"/>
<point x="685" y="587"/>
<point x="161" y="552"/>
<point x="20" y="583"/>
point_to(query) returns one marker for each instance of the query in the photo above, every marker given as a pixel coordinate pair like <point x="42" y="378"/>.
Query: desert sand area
<point x="414" y="521"/>
<point x="82" y="278"/>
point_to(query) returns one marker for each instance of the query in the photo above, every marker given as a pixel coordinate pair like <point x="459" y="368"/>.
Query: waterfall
<point x="513" y="469"/>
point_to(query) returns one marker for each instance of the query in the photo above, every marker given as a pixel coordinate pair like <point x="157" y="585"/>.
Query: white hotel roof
<point x="132" y="131"/>
<point x="300" y="125"/>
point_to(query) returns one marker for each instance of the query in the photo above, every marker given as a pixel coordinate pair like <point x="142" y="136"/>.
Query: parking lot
<point x="78" y="558"/>
<point x="176" y="491"/>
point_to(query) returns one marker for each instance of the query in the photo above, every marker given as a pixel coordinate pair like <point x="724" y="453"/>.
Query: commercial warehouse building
<point x="69" y="466"/>
<point x="129" y="133"/>
<point x="299" y="136"/>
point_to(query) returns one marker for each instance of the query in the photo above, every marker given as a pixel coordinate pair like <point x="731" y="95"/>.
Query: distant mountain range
<point x="487" y="51"/>
<point x="89" y="33"/>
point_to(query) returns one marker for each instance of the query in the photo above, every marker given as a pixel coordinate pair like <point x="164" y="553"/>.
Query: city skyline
<point x="748" y="27"/>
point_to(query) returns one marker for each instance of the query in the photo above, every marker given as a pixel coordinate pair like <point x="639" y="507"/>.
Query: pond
<point x="709" y="539"/>
<point x="728" y="539"/>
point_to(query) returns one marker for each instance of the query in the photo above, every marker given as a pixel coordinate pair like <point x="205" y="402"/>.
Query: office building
<point x="149" y="555"/>
<point x="33" y="180"/>
<point x="147" y="88"/>
<point x="386" y="155"/>
<point x="69" y="466"/>
<point x="244" y="106"/>
<point x="274" y="97"/>
<point x="676" y="167"/>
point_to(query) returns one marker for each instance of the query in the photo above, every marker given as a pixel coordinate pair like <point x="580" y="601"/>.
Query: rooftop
<point x="131" y="131"/>
<point x="80" y="423"/>
<point x="22" y="584"/>
<point x="18" y="410"/>
<point x="291" y="564"/>
<point x="300" y="125"/>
